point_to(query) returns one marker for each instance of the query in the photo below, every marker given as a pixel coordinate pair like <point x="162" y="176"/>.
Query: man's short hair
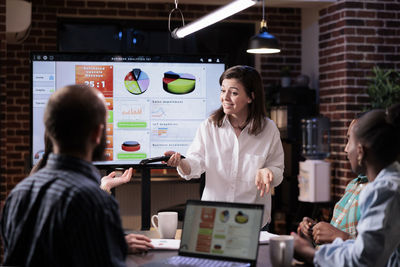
<point x="71" y="115"/>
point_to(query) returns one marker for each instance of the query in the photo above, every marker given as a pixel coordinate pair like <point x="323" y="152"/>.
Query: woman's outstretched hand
<point x="263" y="180"/>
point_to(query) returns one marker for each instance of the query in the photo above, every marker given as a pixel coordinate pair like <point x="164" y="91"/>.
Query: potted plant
<point x="384" y="88"/>
<point x="285" y="76"/>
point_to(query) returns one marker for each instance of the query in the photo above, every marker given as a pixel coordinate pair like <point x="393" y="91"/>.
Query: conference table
<point x="134" y="260"/>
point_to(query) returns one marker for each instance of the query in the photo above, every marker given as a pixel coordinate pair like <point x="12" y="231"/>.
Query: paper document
<point x="170" y="244"/>
<point x="265" y="236"/>
<point x="173" y="244"/>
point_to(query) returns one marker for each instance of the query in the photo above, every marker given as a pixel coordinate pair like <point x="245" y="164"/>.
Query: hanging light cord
<point x="263" y="21"/>
<point x="176" y="9"/>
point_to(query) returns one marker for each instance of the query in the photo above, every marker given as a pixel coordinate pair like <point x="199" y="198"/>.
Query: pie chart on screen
<point x="178" y="83"/>
<point x="136" y="82"/>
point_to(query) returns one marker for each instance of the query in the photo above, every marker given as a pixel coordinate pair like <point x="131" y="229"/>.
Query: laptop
<point x="218" y="234"/>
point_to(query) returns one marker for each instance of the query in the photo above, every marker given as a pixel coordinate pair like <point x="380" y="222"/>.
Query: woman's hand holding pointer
<point x="177" y="161"/>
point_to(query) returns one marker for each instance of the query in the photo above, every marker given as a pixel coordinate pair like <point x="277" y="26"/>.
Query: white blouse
<point x="231" y="162"/>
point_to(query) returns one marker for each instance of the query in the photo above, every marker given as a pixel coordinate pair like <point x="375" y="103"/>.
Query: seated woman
<point x="346" y="213"/>
<point x="373" y="148"/>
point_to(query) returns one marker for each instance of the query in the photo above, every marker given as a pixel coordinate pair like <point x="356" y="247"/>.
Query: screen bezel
<point x="105" y="57"/>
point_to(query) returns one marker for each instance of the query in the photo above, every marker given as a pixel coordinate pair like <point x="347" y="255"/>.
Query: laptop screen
<point x="221" y="230"/>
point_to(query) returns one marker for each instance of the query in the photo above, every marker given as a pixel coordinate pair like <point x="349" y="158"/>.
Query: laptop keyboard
<point x="192" y="261"/>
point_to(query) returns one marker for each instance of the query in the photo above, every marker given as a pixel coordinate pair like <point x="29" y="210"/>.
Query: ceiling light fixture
<point x="264" y="42"/>
<point x="207" y="20"/>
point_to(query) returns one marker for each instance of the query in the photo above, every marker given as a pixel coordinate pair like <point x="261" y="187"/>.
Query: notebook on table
<point x="219" y="233"/>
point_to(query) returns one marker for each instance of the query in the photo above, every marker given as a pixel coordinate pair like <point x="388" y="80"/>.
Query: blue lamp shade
<point x="263" y="43"/>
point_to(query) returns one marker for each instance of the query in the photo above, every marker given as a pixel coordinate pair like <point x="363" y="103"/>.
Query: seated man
<point x="346" y="214"/>
<point x="59" y="216"/>
<point x="373" y="149"/>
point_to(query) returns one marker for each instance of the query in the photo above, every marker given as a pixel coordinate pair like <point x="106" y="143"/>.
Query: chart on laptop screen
<point x="221" y="231"/>
<point x="155" y="103"/>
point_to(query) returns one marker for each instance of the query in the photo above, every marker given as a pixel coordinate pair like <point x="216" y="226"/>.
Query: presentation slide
<point x="154" y="103"/>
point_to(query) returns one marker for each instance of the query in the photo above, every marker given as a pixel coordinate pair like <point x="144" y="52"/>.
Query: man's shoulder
<point x="61" y="184"/>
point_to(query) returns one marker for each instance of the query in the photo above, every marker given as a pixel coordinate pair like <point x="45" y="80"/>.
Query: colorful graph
<point x="158" y="113"/>
<point x="130" y="146"/>
<point x="178" y="83"/>
<point x="136" y="82"/>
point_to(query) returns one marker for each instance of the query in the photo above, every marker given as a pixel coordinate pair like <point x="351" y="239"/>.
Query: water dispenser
<point x="314" y="172"/>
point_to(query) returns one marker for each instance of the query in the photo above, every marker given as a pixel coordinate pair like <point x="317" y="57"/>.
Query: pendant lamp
<point x="264" y="42"/>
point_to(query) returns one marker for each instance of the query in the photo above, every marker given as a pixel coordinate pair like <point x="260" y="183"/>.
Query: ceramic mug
<point x="167" y="222"/>
<point x="281" y="250"/>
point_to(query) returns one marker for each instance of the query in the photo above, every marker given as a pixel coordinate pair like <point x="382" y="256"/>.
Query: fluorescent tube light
<point x="215" y="16"/>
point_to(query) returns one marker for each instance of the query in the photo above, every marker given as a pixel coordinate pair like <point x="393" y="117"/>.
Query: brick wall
<point x="3" y="180"/>
<point x="2" y="96"/>
<point x="354" y="36"/>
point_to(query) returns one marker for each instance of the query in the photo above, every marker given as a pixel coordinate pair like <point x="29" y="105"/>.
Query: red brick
<point x="57" y="3"/>
<point x="374" y="23"/>
<point x="375" y="6"/>
<point x="365" y="31"/>
<point x="202" y="8"/>
<point x="350" y="13"/>
<point x="87" y="11"/>
<point x="366" y="14"/>
<point x="375" y="40"/>
<point x="355" y="39"/>
<point x="394" y="57"/>
<point x="108" y="12"/>
<point x="125" y="13"/>
<point x="352" y="56"/>
<point x="394" y="41"/>
<point x="96" y="4"/>
<point x="365" y="48"/>
<point x="375" y="57"/>
<point x="78" y="3"/>
<point x="386" y="49"/>
<point x="68" y="11"/>
<point x="386" y="15"/>
<point x="137" y="5"/>
<point x="354" y="22"/>
<point x="120" y="5"/>
<point x="393" y="24"/>
<point x="386" y="32"/>
<point x="349" y="31"/>
<point x="146" y="13"/>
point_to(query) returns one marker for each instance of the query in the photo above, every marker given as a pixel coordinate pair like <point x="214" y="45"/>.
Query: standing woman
<point x="238" y="147"/>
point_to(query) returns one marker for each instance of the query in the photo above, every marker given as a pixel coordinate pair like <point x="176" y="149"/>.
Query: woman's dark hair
<point x="251" y="80"/>
<point x="379" y="131"/>
<point x="48" y="148"/>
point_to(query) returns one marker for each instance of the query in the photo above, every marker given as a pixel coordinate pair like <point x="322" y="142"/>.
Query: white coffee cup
<point x="167" y="222"/>
<point x="281" y="250"/>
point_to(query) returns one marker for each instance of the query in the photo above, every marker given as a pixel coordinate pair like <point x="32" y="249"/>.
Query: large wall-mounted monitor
<point x="155" y="103"/>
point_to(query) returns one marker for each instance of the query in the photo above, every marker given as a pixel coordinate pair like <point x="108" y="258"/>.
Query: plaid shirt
<point x="346" y="212"/>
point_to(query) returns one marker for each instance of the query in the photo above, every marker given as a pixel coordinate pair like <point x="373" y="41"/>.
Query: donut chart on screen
<point x="130" y="146"/>
<point x="136" y="82"/>
<point x="178" y="83"/>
